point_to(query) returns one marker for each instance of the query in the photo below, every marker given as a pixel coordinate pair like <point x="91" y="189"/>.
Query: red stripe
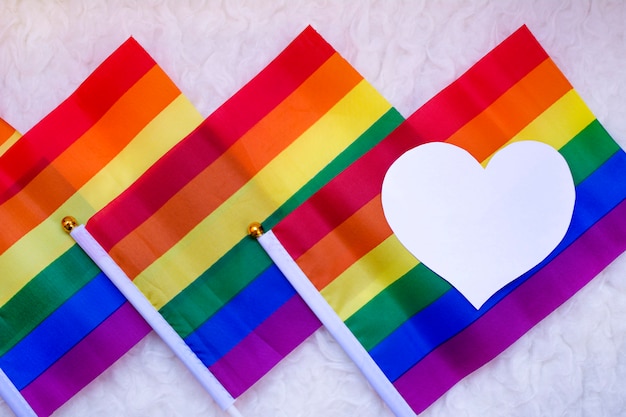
<point x="480" y="86"/>
<point x="344" y="195"/>
<point x="287" y="71"/>
<point x="443" y="115"/>
<point x="270" y="342"/>
<point x="50" y="137"/>
<point x="211" y="139"/>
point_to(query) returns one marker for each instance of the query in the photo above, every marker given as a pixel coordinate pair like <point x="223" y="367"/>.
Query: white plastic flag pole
<point x="332" y="322"/>
<point x="12" y="396"/>
<point x="160" y="326"/>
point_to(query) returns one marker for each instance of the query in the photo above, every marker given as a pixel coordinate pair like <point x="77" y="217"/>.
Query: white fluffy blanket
<point x="573" y="363"/>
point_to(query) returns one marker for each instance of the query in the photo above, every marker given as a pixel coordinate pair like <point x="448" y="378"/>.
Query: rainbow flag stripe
<point x="422" y="333"/>
<point x="180" y="232"/>
<point x="8" y="136"/>
<point x="62" y="322"/>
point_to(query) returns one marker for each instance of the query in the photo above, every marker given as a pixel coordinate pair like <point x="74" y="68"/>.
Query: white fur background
<point x="572" y="364"/>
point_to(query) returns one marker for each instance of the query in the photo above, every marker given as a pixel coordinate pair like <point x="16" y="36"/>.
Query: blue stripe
<point x="451" y="313"/>
<point x="61" y="331"/>
<point x="237" y="319"/>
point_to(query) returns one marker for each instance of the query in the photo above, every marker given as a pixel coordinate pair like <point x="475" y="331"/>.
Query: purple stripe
<point x="85" y="361"/>
<point x="528" y="304"/>
<point x="261" y="350"/>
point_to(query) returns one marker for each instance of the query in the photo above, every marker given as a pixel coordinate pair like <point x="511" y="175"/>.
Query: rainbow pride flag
<point x="62" y="322"/>
<point x="180" y="231"/>
<point x="421" y="332"/>
<point x="8" y="136"/>
<point x="8" y="392"/>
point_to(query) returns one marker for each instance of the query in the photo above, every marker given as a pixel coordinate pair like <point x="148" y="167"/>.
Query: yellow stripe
<point x="9" y="142"/>
<point x="173" y="124"/>
<point x="558" y="124"/>
<point x="262" y="195"/>
<point x="45" y="243"/>
<point x="367" y="277"/>
<point x="36" y="250"/>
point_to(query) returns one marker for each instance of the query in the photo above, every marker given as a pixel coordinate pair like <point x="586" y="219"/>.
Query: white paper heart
<point x="479" y="228"/>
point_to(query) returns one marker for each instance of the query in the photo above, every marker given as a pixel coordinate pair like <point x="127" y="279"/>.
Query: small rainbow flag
<point x="62" y="322"/>
<point x="421" y="332"/>
<point x="180" y="231"/>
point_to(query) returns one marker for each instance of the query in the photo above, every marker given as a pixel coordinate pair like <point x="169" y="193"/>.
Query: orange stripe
<point x="117" y="128"/>
<point x="88" y="155"/>
<point x="348" y="242"/>
<point x="6" y="131"/>
<point x="232" y="170"/>
<point x="32" y="205"/>
<point x="497" y="124"/>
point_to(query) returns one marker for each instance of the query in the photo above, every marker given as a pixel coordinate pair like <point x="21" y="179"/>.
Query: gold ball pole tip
<point x="69" y="223"/>
<point x="255" y="230"/>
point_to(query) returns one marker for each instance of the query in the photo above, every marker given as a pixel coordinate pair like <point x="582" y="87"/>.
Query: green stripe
<point x="43" y="295"/>
<point x="374" y="135"/>
<point x="247" y="260"/>
<point x="584" y="153"/>
<point x="588" y="150"/>
<point x="414" y="291"/>
<point x="216" y="286"/>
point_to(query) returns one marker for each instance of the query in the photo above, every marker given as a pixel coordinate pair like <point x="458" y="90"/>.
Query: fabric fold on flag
<point x="421" y="332"/>
<point x="62" y="323"/>
<point x="182" y="237"/>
